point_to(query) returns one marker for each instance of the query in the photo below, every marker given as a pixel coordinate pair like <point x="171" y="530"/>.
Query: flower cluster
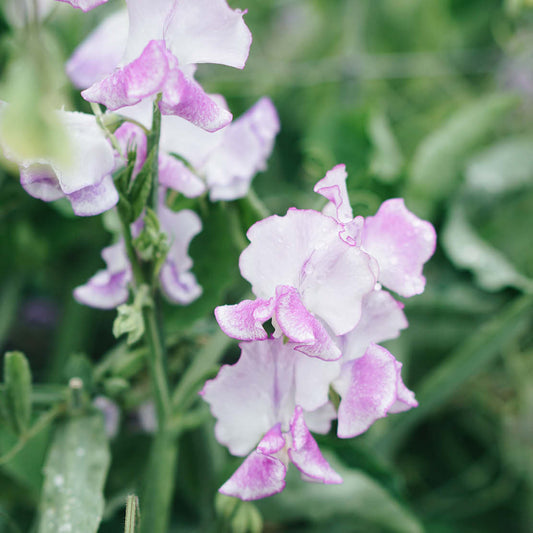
<point x="318" y="278"/>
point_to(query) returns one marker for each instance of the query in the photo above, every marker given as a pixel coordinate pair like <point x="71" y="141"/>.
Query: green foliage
<point x="17" y="392"/>
<point x="130" y="316"/>
<point x="75" y="473"/>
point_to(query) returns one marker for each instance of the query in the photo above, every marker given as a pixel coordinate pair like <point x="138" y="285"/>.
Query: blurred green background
<point x="429" y="100"/>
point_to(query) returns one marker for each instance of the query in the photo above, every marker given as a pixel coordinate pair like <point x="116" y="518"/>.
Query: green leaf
<point x="505" y="166"/>
<point x="132" y="514"/>
<point x="72" y="500"/>
<point x="468" y="250"/>
<point x="439" y="158"/>
<point x="387" y="160"/>
<point x="17" y="377"/>
<point x="473" y="355"/>
<point x="141" y="186"/>
<point x="130" y="318"/>
<point x="359" y="497"/>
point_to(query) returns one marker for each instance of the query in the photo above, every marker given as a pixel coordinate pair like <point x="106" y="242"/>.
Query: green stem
<point x="153" y="144"/>
<point x="159" y="486"/>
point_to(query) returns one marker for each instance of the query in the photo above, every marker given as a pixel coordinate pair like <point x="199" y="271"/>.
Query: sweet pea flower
<point x="166" y="39"/>
<point x="109" y="288"/>
<point x="400" y="242"/>
<point x="290" y="396"/>
<point x="311" y="282"/>
<point x="83" y="174"/>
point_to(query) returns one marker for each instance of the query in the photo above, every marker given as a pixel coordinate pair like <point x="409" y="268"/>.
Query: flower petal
<point x="305" y="454"/>
<point x="401" y="242"/>
<point x="100" y="52"/>
<point x="84" y="5"/>
<point x="266" y="368"/>
<point x="104" y="290"/>
<point x="301" y="327"/>
<point x="184" y="97"/>
<point x="333" y="187"/>
<point x="175" y="175"/>
<point x="208" y="31"/>
<point x="382" y="318"/>
<point x="178" y="283"/>
<point x="40" y="182"/>
<point x="369" y="388"/>
<point x="244" y="320"/>
<point x="259" y="476"/>
<point x="246" y="145"/>
<point x="94" y="199"/>
<point x="128" y="85"/>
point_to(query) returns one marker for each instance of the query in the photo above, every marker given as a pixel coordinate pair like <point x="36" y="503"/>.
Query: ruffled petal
<point x="244" y="321"/>
<point x="369" y="388"/>
<point x="333" y="187"/>
<point x="303" y="250"/>
<point x="84" y="5"/>
<point x="100" y="52"/>
<point x="266" y="368"/>
<point x="301" y="327"/>
<point x="184" y="97"/>
<point x="175" y="175"/>
<point x="104" y="290"/>
<point x="260" y="475"/>
<point x="305" y="453"/>
<point x="246" y="145"/>
<point x="401" y="242"/>
<point x="208" y="31"/>
<point x="178" y="283"/>
<point x="319" y="421"/>
<point x="382" y="318"/>
<point x="40" y="182"/>
<point x="94" y="199"/>
<point x="128" y="85"/>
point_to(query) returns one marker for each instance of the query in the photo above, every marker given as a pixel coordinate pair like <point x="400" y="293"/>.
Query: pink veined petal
<point x="272" y="442"/>
<point x="405" y="398"/>
<point x="305" y="454"/>
<point x="244" y="321"/>
<point x="100" y="52"/>
<point x="104" y="290"/>
<point x="184" y="97"/>
<point x="303" y="250"/>
<point x="246" y="145"/>
<point x="132" y="137"/>
<point x="94" y="199"/>
<point x="208" y="31"/>
<point x="175" y="175"/>
<point x="84" y="5"/>
<point x="369" y="388"/>
<point x="301" y="327"/>
<point x="40" y="182"/>
<point x="258" y="477"/>
<point x="382" y="318"/>
<point x="178" y="283"/>
<point x="401" y="242"/>
<point x="333" y="187"/>
<point x="128" y="85"/>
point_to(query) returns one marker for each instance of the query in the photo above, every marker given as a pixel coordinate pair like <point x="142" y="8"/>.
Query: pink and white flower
<point x="82" y="174"/>
<point x="109" y="288"/>
<point x="290" y="397"/>
<point x="166" y="39"/>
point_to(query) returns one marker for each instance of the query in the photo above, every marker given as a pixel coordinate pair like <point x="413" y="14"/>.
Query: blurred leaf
<point x="473" y="355"/>
<point x="387" y="160"/>
<point x="17" y="394"/>
<point x="359" y="496"/>
<point x="72" y="500"/>
<point x="468" y="250"/>
<point x="438" y="159"/>
<point x="505" y="166"/>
